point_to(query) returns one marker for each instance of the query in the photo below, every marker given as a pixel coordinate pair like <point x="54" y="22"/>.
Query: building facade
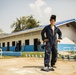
<point x="28" y="38"/>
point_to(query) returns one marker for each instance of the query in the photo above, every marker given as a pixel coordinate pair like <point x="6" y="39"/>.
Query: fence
<point x="69" y="53"/>
<point x="0" y="52"/>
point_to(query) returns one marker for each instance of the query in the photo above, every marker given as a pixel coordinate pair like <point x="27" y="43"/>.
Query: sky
<point x="40" y="9"/>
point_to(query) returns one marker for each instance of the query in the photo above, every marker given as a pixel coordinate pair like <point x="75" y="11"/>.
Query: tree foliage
<point x="24" y="23"/>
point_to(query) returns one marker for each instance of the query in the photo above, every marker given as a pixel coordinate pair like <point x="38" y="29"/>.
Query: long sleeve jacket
<point x="49" y="34"/>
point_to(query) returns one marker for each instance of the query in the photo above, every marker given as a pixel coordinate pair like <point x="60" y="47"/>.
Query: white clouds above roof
<point x="41" y="11"/>
<point x="47" y="10"/>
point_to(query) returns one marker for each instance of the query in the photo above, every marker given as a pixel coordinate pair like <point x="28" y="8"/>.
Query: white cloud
<point x="31" y="6"/>
<point x="41" y="11"/>
<point x="47" y="10"/>
<point x="39" y="3"/>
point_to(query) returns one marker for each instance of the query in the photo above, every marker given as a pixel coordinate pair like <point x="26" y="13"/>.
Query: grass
<point x="29" y="54"/>
<point x="35" y="54"/>
<point x="72" y="52"/>
<point x="32" y="54"/>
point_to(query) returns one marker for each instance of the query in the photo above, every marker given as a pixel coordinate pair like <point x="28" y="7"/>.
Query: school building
<point x="28" y="38"/>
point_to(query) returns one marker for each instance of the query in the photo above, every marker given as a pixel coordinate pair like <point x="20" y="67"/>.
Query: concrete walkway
<point x="32" y="66"/>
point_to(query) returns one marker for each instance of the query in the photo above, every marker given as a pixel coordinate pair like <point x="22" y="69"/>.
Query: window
<point x="3" y="44"/>
<point x="26" y="42"/>
<point x="13" y="43"/>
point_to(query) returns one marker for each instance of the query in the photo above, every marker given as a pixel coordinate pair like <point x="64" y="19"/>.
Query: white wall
<point x="69" y="32"/>
<point x="31" y="36"/>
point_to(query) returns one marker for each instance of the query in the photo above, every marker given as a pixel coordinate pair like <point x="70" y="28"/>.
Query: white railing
<point x="74" y="50"/>
<point x="0" y="52"/>
<point x="66" y="51"/>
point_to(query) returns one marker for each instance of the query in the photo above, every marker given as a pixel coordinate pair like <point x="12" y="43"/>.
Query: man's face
<point x="52" y="22"/>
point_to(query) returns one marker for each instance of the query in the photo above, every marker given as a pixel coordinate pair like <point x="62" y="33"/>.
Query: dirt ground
<point x="32" y="66"/>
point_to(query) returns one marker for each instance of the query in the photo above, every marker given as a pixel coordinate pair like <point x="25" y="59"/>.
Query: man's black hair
<point x="53" y="17"/>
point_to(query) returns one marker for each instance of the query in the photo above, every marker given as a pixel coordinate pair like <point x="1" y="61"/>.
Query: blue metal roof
<point x="39" y="28"/>
<point x="62" y="22"/>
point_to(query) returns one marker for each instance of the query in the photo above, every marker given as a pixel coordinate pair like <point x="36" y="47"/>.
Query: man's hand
<point x="58" y="40"/>
<point x="46" y="40"/>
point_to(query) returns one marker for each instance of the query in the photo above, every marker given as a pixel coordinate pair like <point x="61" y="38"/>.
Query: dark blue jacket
<point x="49" y="34"/>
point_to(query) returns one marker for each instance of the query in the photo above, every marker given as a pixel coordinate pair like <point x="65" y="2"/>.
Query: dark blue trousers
<point x="48" y="49"/>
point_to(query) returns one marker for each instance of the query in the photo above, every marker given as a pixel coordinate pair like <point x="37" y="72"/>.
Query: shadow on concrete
<point x="32" y="66"/>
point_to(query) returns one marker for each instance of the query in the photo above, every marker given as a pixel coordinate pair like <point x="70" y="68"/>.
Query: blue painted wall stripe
<point x="31" y="47"/>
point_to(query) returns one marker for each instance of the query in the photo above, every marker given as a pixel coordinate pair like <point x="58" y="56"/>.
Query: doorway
<point x="35" y="44"/>
<point x="8" y="46"/>
<point x="19" y="45"/>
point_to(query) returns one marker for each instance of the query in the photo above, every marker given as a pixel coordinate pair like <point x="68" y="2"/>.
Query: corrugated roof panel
<point x="38" y="28"/>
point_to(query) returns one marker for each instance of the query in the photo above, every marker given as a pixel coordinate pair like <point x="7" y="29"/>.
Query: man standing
<point x="39" y="45"/>
<point x="51" y="43"/>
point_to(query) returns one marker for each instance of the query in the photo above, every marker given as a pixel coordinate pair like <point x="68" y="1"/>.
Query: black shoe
<point x="45" y="69"/>
<point x="51" y="69"/>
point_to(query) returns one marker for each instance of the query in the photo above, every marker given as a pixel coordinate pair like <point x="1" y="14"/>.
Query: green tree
<point x="31" y="22"/>
<point x="24" y="23"/>
<point x="16" y="25"/>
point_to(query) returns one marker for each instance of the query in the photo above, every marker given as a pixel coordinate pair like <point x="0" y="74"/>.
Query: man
<point x="39" y="47"/>
<point x="18" y="47"/>
<point x="51" y="43"/>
